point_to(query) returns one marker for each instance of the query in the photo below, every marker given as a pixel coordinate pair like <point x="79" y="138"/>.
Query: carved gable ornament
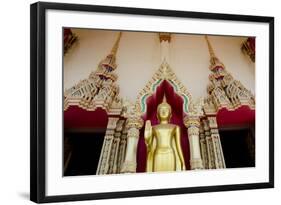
<point x="165" y="72"/>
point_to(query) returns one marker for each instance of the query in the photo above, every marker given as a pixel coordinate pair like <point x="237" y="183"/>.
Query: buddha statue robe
<point x="164" y="152"/>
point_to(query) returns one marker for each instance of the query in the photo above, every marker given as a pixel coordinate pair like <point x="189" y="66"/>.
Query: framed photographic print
<point x="129" y="102"/>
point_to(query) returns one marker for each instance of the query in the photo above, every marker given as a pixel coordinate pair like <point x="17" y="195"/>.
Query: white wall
<point x="14" y="103"/>
<point x="138" y="58"/>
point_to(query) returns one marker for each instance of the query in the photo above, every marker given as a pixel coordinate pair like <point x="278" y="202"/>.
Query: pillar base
<point x="196" y="163"/>
<point x="129" y="167"/>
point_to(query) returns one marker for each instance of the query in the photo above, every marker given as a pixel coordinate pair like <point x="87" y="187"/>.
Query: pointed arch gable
<point x="164" y="73"/>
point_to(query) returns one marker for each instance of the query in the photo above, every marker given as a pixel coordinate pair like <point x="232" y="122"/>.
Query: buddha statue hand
<point x="148" y="134"/>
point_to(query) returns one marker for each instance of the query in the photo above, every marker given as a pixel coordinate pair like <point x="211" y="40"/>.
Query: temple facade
<point x="114" y="81"/>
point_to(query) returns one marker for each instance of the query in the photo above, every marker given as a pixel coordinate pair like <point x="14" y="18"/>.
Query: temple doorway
<point x="84" y="154"/>
<point x="238" y="146"/>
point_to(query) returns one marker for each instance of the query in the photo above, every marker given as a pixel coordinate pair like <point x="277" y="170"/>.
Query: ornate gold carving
<point x="122" y="149"/>
<point x="99" y="89"/>
<point x="114" y="153"/>
<point x="248" y="48"/>
<point x="69" y="39"/>
<point x="203" y="147"/>
<point x="106" y="157"/>
<point x="133" y="115"/>
<point x="213" y="122"/>
<point x="215" y="62"/>
<point x="116" y="45"/>
<point x="196" y="108"/>
<point x="191" y="121"/>
<point x="163" y="73"/>
<point x="213" y="144"/>
<point x="110" y="60"/>
<point x="224" y="91"/>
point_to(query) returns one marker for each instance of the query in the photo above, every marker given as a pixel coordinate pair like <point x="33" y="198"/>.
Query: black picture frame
<point x="38" y="100"/>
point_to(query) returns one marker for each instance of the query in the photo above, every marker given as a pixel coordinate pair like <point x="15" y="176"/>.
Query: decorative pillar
<point x="203" y="146"/>
<point x="115" y="148"/>
<point x="216" y="143"/>
<point x="193" y="123"/>
<point x="130" y="163"/>
<point x="103" y="165"/>
<point x="209" y="145"/>
<point x="122" y="149"/>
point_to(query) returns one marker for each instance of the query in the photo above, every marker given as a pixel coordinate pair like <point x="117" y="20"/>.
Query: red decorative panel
<point x="76" y="117"/>
<point x="239" y="117"/>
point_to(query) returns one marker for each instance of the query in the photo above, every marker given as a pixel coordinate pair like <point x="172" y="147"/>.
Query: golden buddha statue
<point x="164" y="152"/>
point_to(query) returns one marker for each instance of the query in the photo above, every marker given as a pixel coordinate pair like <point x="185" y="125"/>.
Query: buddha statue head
<point x="164" y="111"/>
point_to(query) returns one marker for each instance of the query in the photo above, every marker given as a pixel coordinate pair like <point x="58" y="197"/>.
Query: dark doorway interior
<point x="85" y="153"/>
<point x="238" y="147"/>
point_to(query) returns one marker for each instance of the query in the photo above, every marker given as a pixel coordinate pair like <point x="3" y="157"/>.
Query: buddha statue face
<point x="164" y="112"/>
